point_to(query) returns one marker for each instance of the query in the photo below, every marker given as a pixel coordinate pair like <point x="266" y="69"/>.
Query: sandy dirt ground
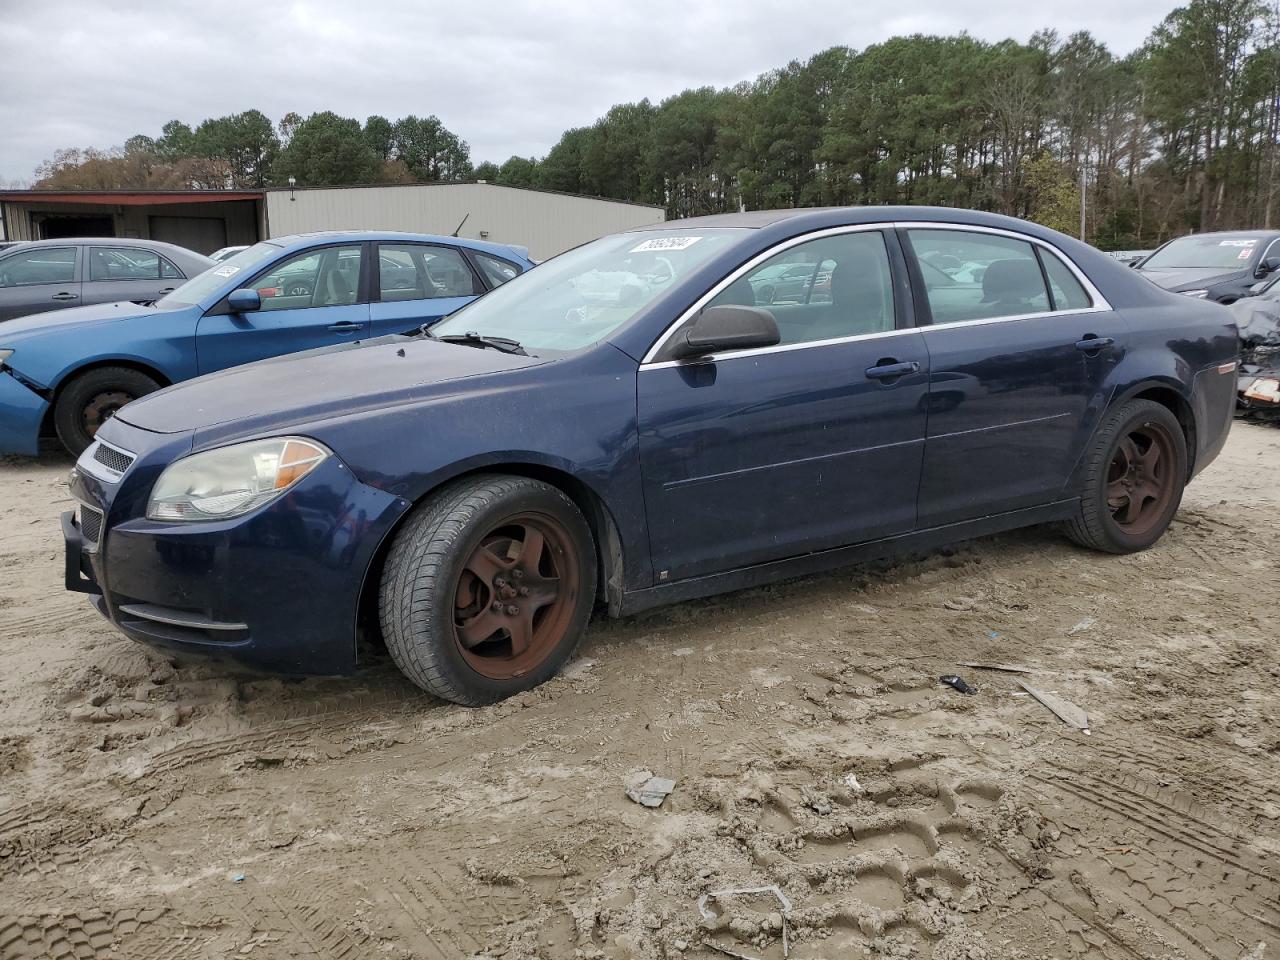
<point x="160" y="811"/>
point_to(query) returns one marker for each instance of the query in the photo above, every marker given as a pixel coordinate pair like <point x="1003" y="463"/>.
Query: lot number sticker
<point x="666" y="243"/>
<point x="226" y="271"/>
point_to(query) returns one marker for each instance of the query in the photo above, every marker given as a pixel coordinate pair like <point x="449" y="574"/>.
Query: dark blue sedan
<point x="69" y="372"/>
<point x="628" y="426"/>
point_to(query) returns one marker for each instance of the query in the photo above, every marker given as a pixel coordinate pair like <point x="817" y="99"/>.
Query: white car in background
<point x="226" y="252"/>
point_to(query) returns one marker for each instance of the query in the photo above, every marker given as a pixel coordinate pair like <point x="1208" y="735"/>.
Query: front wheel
<point x="1135" y="473"/>
<point x="93" y="398"/>
<point x="488" y="588"/>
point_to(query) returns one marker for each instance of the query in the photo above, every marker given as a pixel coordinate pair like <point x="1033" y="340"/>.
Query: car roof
<point x="1250" y="234"/>
<point x="800" y="219"/>
<point x="299" y="240"/>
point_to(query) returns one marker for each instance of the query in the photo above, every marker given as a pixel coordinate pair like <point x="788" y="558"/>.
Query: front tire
<point x="1135" y="472"/>
<point x="91" y="399"/>
<point x="488" y="588"/>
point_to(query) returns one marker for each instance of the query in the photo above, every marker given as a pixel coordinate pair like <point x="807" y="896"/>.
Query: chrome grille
<point x="90" y="524"/>
<point x="112" y="458"/>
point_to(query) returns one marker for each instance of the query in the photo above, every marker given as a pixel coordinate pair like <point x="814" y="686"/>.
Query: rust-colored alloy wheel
<point x="488" y="587"/>
<point x="1133" y="476"/>
<point x="516" y="595"/>
<point x="1140" y="480"/>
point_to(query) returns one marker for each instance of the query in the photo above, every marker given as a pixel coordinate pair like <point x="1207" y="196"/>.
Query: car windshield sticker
<point x="666" y="243"/>
<point x="1236" y="243"/>
<point x="226" y="271"/>
<point x="1245" y="254"/>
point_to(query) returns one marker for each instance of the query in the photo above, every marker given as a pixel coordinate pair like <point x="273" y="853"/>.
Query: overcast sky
<point x="507" y="76"/>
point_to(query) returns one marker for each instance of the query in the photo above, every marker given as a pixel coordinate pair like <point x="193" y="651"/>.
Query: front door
<point x="36" y="279"/>
<point x="313" y="299"/>
<point x="815" y="443"/>
<point x="1019" y="353"/>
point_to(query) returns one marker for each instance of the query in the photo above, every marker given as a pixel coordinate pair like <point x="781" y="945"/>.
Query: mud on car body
<point x="627" y="425"/>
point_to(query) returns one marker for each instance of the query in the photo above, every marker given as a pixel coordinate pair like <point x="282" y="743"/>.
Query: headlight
<point x="4" y="355"/>
<point x="1198" y="294"/>
<point x="1264" y="388"/>
<point x="233" y="480"/>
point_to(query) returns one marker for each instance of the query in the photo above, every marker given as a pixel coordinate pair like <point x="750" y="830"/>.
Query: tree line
<point x="1182" y="134"/>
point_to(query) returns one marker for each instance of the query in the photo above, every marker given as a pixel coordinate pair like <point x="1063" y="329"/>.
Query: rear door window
<point x="418" y="271"/>
<point x="123" y="263"/>
<point x="972" y="276"/>
<point x="496" y="271"/>
<point x="320" y="278"/>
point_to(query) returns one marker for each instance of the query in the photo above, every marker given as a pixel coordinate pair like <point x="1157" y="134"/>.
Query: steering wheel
<point x="656" y="277"/>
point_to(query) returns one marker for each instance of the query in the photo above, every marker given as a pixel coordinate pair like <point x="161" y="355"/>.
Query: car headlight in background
<point x="1266" y="389"/>
<point x="1198" y="294"/>
<point x="231" y="481"/>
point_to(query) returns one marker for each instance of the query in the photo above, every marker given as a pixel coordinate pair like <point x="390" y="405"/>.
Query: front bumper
<point x="22" y="411"/>
<point x="278" y="589"/>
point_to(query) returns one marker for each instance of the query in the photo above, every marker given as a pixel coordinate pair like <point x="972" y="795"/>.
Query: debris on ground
<point x="646" y="789"/>
<point x="772" y="888"/>
<point x="851" y="781"/>
<point x="957" y="683"/>
<point x="1082" y="626"/>
<point x="1065" y="710"/>
<point x="1004" y="667"/>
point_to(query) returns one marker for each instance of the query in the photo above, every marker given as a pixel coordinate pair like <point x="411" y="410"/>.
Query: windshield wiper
<point x="473" y="338"/>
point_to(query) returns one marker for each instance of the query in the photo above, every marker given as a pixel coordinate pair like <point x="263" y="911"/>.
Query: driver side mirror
<point x="244" y="300"/>
<point x="1267" y="267"/>
<point x="727" y="327"/>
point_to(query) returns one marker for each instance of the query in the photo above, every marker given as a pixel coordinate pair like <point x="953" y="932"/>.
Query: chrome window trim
<point x="1100" y="304"/>
<point x="87" y="464"/>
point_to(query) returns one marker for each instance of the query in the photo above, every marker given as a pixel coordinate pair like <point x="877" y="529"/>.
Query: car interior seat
<point x="1014" y="283"/>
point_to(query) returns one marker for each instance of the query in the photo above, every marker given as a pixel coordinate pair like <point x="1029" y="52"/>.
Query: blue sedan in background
<point x="629" y="425"/>
<point x="70" y="371"/>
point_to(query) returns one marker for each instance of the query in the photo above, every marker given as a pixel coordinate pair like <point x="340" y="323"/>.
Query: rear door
<point x="316" y="298"/>
<point x="127" y="273"/>
<point x="419" y="283"/>
<point x="36" y="279"/>
<point x="1020" y="347"/>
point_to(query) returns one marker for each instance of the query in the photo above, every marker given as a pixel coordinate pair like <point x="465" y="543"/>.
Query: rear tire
<point x="91" y="399"/>
<point x="488" y="588"/>
<point x="1134" y="474"/>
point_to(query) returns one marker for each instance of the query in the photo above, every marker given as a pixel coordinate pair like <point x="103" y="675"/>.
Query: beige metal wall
<point x="546" y="223"/>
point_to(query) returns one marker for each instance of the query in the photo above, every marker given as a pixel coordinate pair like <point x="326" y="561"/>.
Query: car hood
<point x="59" y="321"/>
<point x="316" y="384"/>
<point x="1191" y="278"/>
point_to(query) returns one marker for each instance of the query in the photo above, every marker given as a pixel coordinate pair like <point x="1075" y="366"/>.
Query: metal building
<point x="204" y="220"/>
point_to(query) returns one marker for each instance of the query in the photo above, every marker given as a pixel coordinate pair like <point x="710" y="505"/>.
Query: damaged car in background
<point x="641" y="421"/>
<point x="1222" y="267"/>
<point x="1258" y="319"/>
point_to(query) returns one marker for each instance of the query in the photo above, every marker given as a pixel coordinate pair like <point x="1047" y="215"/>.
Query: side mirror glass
<point x="244" y="300"/>
<point x="727" y="327"/>
<point x="1267" y="267"/>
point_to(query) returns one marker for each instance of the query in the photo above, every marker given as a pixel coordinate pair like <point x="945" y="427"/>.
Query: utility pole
<point x="1082" y="198"/>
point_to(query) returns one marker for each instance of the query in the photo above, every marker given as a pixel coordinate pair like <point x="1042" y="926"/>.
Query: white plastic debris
<point x="1082" y="626"/>
<point x="852" y="783"/>
<point x="646" y="789"/>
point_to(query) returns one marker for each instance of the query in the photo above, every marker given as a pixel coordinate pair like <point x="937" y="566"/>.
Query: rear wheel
<point x="488" y="588"/>
<point x="1135" y="473"/>
<point x="93" y="398"/>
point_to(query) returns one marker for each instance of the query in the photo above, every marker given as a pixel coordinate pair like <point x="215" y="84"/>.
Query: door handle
<point x="66" y="296"/>
<point x="890" y="370"/>
<point x="167" y="290"/>
<point x="1092" y="344"/>
<point x="345" y="326"/>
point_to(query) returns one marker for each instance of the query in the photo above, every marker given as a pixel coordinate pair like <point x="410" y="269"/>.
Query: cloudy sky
<point x="507" y="76"/>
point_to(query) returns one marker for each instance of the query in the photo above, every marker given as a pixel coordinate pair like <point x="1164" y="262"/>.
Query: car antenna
<point x="459" y="227"/>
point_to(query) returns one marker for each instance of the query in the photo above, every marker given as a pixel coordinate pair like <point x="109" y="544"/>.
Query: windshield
<point x="200" y="288"/>
<point x="582" y="296"/>
<point x="1209" y="252"/>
